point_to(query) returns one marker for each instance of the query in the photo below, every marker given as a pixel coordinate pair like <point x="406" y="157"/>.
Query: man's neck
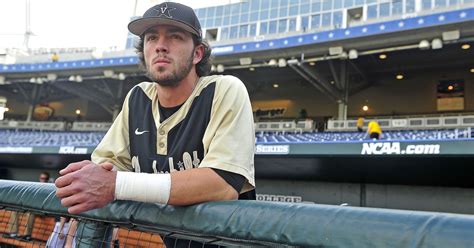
<point x="174" y="96"/>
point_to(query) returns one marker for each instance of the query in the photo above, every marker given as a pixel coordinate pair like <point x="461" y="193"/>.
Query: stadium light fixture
<point x="353" y="54"/>
<point x="245" y="61"/>
<point x="281" y="62"/>
<point x="108" y="73"/>
<point x="312" y="63"/>
<point x="52" y="77"/>
<point x="424" y="45"/>
<point x="472" y="70"/>
<point x="220" y="68"/>
<point x="121" y="76"/>
<point x="365" y="108"/>
<point x="78" y="78"/>
<point x="436" y="44"/>
<point x="383" y="56"/>
<point x="251" y="68"/>
<point x="335" y="50"/>
<point x="272" y="62"/>
<point x="276" y="85"/>
<point x="78" y="111"/>
<point x="465" y="46"/>
<point x="399" y="76"/>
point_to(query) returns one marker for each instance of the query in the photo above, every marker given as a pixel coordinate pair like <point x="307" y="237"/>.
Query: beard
<point x="173" y="78"/>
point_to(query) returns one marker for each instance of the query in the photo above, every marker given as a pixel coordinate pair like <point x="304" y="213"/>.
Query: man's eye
<point x="176" y="36"/>
<point x="150" y="38"/>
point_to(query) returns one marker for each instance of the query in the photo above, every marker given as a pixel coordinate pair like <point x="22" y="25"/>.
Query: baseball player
<point x="183" y="138"/>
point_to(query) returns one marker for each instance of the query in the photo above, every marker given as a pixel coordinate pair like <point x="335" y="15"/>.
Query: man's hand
<point x="84" y="186"/>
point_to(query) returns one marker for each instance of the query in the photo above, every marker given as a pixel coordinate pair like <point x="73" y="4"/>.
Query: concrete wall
<point x="423" y="198"/>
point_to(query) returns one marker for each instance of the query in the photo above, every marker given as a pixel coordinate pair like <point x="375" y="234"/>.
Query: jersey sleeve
<point x="115" y="146"/>
<point x="229" y="140"/>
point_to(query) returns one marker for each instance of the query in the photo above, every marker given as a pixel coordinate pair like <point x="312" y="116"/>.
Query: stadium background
<point x="329" y="68"/>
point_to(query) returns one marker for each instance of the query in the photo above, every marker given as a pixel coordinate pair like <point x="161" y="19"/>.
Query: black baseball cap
<point x="167" y="13"/>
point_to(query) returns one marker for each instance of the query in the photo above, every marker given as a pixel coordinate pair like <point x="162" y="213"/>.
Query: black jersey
<point x="213" y="128"/>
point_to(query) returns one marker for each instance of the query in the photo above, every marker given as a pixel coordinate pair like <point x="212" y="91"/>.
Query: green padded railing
<point x="249" y="223"/>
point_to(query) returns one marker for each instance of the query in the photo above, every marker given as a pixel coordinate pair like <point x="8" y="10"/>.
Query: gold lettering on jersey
<point x="154" y="167"/>
<point x="171" y="164"/>
<point x="188" y="161"/>
<point x="196" y="160"/>
<point x="136" y="164"/>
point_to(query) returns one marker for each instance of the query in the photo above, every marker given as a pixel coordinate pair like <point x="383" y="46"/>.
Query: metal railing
<point x="253" y="223"/>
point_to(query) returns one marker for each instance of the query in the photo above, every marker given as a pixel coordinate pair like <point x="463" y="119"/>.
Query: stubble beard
<point x="173" y="78"/>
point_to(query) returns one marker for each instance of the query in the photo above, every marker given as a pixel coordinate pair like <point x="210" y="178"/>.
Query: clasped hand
<point x="84" y="186"/>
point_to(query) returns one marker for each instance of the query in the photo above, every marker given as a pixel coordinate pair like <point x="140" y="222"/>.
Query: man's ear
<point x="198" y="53"/>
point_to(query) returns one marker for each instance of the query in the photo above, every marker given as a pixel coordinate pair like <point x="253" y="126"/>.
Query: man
<point x="189" y="137"/>
<point x="374" y="130"/>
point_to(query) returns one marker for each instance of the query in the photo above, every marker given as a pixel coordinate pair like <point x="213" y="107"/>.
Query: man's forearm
<point x="178" y="188"/>
<point x="199" y="185"/>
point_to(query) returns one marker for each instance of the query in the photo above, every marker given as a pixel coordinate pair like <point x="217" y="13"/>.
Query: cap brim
<point x="139" y="26"/>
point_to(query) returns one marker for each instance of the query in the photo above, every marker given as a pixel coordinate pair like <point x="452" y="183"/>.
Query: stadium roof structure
<point x="420" y="43"/>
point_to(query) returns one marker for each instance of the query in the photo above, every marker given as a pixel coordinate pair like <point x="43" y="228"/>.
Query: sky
<point x="75" y="23"/>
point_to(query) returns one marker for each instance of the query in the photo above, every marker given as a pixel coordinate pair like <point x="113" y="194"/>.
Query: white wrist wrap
<point x="143" y="187"/>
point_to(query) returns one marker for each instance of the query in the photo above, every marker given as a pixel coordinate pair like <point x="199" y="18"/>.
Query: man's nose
<point x="161" y="45"/>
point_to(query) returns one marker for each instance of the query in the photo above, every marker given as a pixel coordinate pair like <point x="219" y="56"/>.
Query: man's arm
<point x="84" y="186"/>
<point x="199" y="185"/>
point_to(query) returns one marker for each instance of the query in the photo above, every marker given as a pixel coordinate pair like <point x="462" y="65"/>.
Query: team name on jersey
<point x="188" y="162"/>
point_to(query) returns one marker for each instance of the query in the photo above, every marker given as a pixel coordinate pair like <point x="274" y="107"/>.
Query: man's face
<point x="169" y="54"/>
<point x="43" y="178"/>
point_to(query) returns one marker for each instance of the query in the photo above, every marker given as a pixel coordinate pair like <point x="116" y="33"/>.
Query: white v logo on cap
<point x="140" y="132"/>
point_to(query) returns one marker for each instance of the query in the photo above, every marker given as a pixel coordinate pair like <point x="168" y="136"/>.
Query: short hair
<point x="46" y="174"/>
<point x="203" y="68"/>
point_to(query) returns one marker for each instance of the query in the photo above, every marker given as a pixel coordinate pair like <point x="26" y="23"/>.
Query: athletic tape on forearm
<point x="143" y="187"/>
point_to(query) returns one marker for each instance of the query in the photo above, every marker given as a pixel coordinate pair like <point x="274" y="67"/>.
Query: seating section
<point x="12" y="137"/>
<point x="405" y="135"/>
<point x="49" y="138"/>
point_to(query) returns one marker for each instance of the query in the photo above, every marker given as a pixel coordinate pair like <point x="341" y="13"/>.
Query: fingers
<point x="108" y="166"/>
<point x="86" y="186"/>
<point x="71" y="200"/>
<point x="63" y="181"/>
<point x="65" y="191"/>
<point x="79" y="208"/>
<point x="74" y="167"/>
<point x="76" y="204"/>
<point x="66" y="174"/>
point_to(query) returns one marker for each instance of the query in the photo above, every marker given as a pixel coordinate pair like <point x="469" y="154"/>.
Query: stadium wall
<point x="408" y="197"/>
